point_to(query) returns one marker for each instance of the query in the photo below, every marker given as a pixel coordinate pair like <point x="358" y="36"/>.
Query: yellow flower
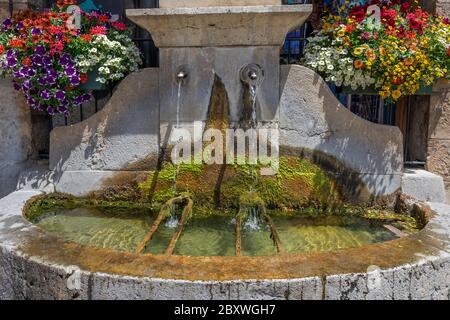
<point x="358" y="51"/>
<point x="396" y="94"/>
<point x="341" y="33"/>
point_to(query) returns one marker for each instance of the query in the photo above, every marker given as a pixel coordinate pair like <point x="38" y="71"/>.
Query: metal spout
<point x="181" y="75"/>
<point x="253" y="75"/>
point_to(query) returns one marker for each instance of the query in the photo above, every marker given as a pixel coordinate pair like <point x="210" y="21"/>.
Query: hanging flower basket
<point x="56" y="64"/>
<point x="393" y="46"/>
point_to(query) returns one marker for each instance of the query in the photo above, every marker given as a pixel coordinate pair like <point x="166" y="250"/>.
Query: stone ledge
<point x="423" y="185"/>
<point x="220" y="26"/>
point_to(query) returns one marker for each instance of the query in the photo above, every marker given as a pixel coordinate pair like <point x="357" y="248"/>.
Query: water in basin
<point x="211" y="236"/>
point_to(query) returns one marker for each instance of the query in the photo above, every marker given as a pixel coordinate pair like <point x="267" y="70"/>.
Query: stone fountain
<point x="214" y="55"/>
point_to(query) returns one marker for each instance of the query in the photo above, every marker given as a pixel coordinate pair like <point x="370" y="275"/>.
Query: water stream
<point x="253" y="94"/>
<point x="177" y="126"/>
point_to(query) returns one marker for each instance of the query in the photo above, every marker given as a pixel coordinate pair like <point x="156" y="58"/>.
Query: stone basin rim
<point x="108" y="274"/>
<point x="276" y="9"/>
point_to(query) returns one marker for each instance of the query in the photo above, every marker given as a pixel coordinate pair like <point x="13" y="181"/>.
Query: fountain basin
<point x="220" y="26"/>
<point x="414" y="267"/>
<point x="210" y="236"/>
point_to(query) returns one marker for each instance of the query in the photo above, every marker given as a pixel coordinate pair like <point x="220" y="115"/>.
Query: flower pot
<point x="92" y="83"/>
<point x="371" y="91"/>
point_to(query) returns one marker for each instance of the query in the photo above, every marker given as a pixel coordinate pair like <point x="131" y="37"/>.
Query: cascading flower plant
<point x="49" y="60"/>
<point x="406" y="49"/>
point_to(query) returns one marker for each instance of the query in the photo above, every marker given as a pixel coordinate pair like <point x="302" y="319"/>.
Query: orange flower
<point x="27" y="23"/>
<point x="408" y="61"/>
<point x="370" y="55"/>
<point x="350" y="28"/>
<point x="382" y="51"/>
<point x="359" y="64"/>
<point x="397" y="81"/>
<point x="16" y="43"/>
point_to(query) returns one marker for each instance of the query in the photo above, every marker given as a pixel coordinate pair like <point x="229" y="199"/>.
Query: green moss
<point x="41" y="205"/>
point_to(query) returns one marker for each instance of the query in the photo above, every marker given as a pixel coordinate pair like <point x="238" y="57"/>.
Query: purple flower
<point x="51" y="111"/>
<point x="66" y="60"/>
<point x="11" y="54"/>
<point x="75" y="80"/>
<point x="86" y="97"/>
<point x="63" y="109"/>
<point x="42" y="81"/>
<point x="35" y="31"/>
<point x="11" y="61"/>
<point x="32" y="102"/>
<point x="70" y="71"/>
<point x="51" y="80"/>
<point x="40" y="50"/>
<point x="46" y="60"/>
<point x="17" y="86"/>
<point x="60" y="95"/>
<point x="36" y="60"/>
<point x="31" y="73"/>
<point x="45" y="94"/>
<point x="26" y="85"/>
<point x="78" y="100"/>
<point x="17" y="74"/>
<point x="7" y="24"/>
<point x="19" y="26"/>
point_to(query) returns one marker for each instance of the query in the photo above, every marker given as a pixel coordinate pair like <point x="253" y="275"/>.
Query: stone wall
<point x="438" y="160"/>
<point x="15" y="125"/>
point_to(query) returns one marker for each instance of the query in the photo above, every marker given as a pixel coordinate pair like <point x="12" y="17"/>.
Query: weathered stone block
<point x="125" y="131"/>
<point x="311" y="117"/>
<point x="423" y="185"/>
<point x="202" y="65"/>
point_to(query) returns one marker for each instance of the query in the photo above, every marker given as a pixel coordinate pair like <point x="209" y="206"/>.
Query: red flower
<point x="103" y="18"/>
<point x="2" y="49"/>
<point x="405" y="7"/>
<point x="86" y="37"/>
<point x="119" y="26"/>
<point x="388" y="16"/>
<point x="54" y="29"/>
<point x="415" y="21"/>
<point x="83" y="78"/>
<point x="359" y="13"/>
<point x="58" y="46"/>
<point x="26" y="61"/>
<point x="448" y="51"/>
<point x="98" y="30"/>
